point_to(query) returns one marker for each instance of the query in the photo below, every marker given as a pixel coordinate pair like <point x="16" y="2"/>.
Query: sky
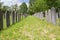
<point x="12" y="2"/>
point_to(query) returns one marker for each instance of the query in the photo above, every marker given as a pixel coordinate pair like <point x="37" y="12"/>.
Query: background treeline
<point x="42" y="5"/>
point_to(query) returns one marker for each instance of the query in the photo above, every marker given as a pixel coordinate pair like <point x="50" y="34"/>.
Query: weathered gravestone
<point x="16" y="17"/>
<point x="37" y="15"/>
<point x="49" y="16"/>
<point x="59" y="17"/>
<point x="46" y="15"/>
<point x="34" y="14"/>
<point x="13" y="17"/>
<point x="41" y="16"/>
<point x="1" y="20"/>
<point x="8" y="18"/>
<point x="5" y="14"/>
<point x="53" y="12"/>
<point x="19" y="17"/>
<point x="59" y="14"/>
<point x="26" y="15"/>
<point x="56" y="15"/>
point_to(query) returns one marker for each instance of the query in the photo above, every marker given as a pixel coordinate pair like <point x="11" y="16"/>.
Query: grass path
<point x="31" y="28"/>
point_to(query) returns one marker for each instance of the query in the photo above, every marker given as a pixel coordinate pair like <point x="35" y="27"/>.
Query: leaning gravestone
<point x="49" y="16"/>
<point x="8" y="18"/>
<point x="53" y="12"/>
<point x="1" y="20"/>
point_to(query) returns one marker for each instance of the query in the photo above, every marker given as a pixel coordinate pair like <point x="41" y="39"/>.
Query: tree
<point x="23" y="8"/>
<point x="51" y="3"/>
<point x="38" y="5"/>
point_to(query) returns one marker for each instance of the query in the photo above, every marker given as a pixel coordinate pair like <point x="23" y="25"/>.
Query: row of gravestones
<point x="51" y="15"/>
<point x="16" y="17"/>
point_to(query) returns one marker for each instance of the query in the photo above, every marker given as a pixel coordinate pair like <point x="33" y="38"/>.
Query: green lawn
<point x="31" y="28"/>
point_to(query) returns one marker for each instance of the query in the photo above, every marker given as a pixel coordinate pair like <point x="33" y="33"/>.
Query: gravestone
<point x="13" y="17"/>
<point x="41" y="15"/>
<point x="59" y="17"/>
<point x="25" y="14"/>
<point x="49" y="16"/>
<point x="46" y="15"/>
<point x="16" y="16"/>
<point x="37" y="15"/>
<point x="1" y="20"/>
<point x="8" y="19"/>
<point x="56" y="15"/>
<point x="19" y="17"/>
<point x="5" y="14"/>
<point x="59" y="14"/>
<point x="53" y="12"/>
<point x="34" y="14"/>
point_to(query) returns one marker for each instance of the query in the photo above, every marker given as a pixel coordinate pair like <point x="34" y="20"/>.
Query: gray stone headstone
<point x="16" y="17"/>
<point x="46" y="15"/>
<point x="59" y="17"/>
<point x="49" y="16"/>
<point x="1" y="20"/>
<point x="13" y="17"/>
<point x="59" y="14"/>
<point x="8" y="19"/>
<point x="53" y="12"/>
<point x="19" y="17"/>
<point x="41" y="15"/>
<point x="56" y="15"/>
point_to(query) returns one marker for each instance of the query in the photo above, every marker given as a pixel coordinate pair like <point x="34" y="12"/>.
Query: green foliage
<point x="58" y="3"/>
<point x="51" y="3"/>
<point x="38" y="5"/>
<point x="14" y="7"/>
<point x="31" y="2"/>
<point x="23" y="8"/>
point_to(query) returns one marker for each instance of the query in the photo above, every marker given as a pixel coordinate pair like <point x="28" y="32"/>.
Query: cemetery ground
<point x="31" y="28"/>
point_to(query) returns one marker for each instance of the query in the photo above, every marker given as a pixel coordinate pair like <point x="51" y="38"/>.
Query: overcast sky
<point x="12" y="2"/>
